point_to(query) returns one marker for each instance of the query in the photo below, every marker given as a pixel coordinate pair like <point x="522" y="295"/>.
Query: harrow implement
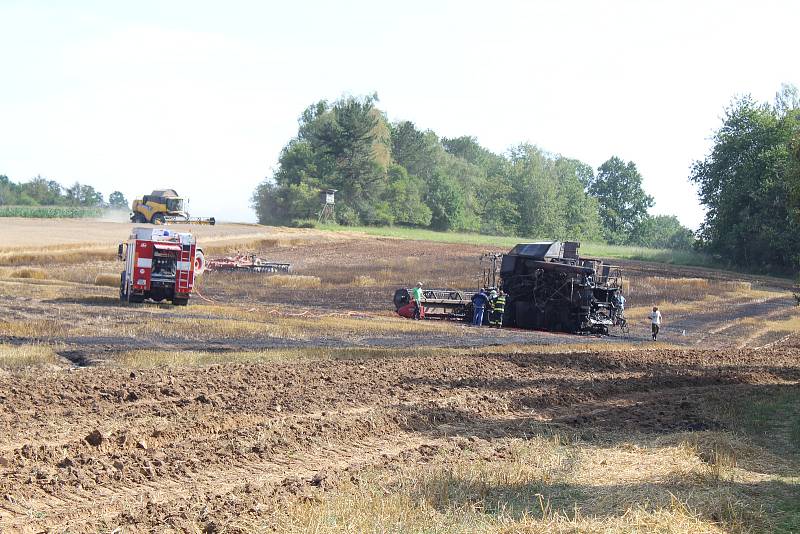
<point x="246" y="263"/>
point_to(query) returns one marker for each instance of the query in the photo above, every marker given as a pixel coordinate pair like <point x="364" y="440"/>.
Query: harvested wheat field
<point x="302" y="403"/>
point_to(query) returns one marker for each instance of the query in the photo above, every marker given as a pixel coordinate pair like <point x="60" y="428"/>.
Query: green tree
<point x="405" y="198"/>
<point x="43" y="191"/>
<point x="73" y="194"/>
<point x="622" y="201"/>
<point x="424" y="156"/>
<point x="491" y="206"/>
<point x="344" y="146"/>
<point x="90" y="197"/>
<point x="499" y="209"/>
<point x="536" y="193"/>
<point x="662" y="231"/>
<point x="446" y="202"/>
<point x="117" y="200"/>
<point x="83" y="195"/>
<point x="579" y="210"/>
<point x="8" y="192"/>
<point x="417" y="151"/>
<point x="748" y="184"/>
<point x="280" y="205"/>
<point x="398" y="174"/>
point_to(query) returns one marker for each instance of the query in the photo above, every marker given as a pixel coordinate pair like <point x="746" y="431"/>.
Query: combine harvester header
<point x="437" y="304"/>
<point x="164" y="206"/>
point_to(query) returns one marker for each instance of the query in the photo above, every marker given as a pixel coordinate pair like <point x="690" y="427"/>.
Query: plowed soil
<point x="95" y="449"/>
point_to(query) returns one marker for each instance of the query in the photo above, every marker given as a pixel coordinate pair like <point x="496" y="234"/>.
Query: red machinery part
<point x="199" y="262"/>
<point x="143" y="265"/>
<point x="407" y="311"/>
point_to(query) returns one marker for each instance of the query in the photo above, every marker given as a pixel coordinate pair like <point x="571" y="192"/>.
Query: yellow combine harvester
<point x="164" y="206"/>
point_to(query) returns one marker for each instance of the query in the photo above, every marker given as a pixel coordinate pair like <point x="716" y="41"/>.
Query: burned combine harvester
<point x="550" y="287"/>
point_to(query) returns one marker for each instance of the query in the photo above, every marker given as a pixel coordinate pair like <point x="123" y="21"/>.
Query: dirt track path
<point x="187" y="447"/>
<point x="726" y="324"/>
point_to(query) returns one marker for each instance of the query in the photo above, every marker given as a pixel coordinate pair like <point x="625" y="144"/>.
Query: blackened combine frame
<point x="550" y="287"/>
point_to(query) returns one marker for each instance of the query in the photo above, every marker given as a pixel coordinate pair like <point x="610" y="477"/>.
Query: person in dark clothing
<point x="498" y="309"/>
<point x="479" y="302"/>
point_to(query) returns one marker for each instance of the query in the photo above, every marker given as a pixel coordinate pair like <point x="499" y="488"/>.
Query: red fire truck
<point x="160" y="265"/>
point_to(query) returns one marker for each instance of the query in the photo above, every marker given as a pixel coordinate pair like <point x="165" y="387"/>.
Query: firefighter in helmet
<point x="498" y="299"/>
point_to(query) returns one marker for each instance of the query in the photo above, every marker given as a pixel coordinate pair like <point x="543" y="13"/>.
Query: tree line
<point x="40" y="191"/>
<point x="750" y="185"/>
<point x="393" y="173"/>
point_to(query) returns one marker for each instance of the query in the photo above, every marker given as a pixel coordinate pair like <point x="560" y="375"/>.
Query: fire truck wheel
<point x="180" y="302"/>
<point x="122" y="295"/>
<point x="199" y="262"/>
<point x="136" y="299"/>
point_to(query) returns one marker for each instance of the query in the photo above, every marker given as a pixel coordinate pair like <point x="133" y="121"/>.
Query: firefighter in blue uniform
<point x="479" y="301"/>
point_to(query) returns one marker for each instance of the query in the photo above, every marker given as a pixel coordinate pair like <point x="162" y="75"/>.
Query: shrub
<point x="107" y="280"/>
<point x="50" y="212"/>
<point x="303" y="223"/>
<point x="35" y="274"/>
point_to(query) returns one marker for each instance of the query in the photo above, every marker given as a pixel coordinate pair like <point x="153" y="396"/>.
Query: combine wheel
<point x="158" y="218"/>
<point x="139" y="218"/>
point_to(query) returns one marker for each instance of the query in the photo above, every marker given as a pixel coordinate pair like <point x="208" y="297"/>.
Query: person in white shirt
<point x="655" y="321"/>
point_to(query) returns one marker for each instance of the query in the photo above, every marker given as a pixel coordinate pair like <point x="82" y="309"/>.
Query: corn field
<point x="50" y="212"/>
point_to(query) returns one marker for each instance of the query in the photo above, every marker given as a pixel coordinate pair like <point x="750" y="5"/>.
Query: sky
<point x="202" y="96"/>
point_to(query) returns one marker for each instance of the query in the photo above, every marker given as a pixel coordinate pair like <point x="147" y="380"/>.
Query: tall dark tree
<point x="417" y="151"/>
<point x="344" y="146"/>
<point x="748" y="183"/>
<point x="622" y="200"/>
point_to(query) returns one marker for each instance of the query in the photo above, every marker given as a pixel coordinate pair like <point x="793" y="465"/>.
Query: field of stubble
<point x="301" y="403"/>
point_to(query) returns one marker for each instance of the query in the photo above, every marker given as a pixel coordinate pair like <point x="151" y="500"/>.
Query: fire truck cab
<point x="159" y="265"/>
